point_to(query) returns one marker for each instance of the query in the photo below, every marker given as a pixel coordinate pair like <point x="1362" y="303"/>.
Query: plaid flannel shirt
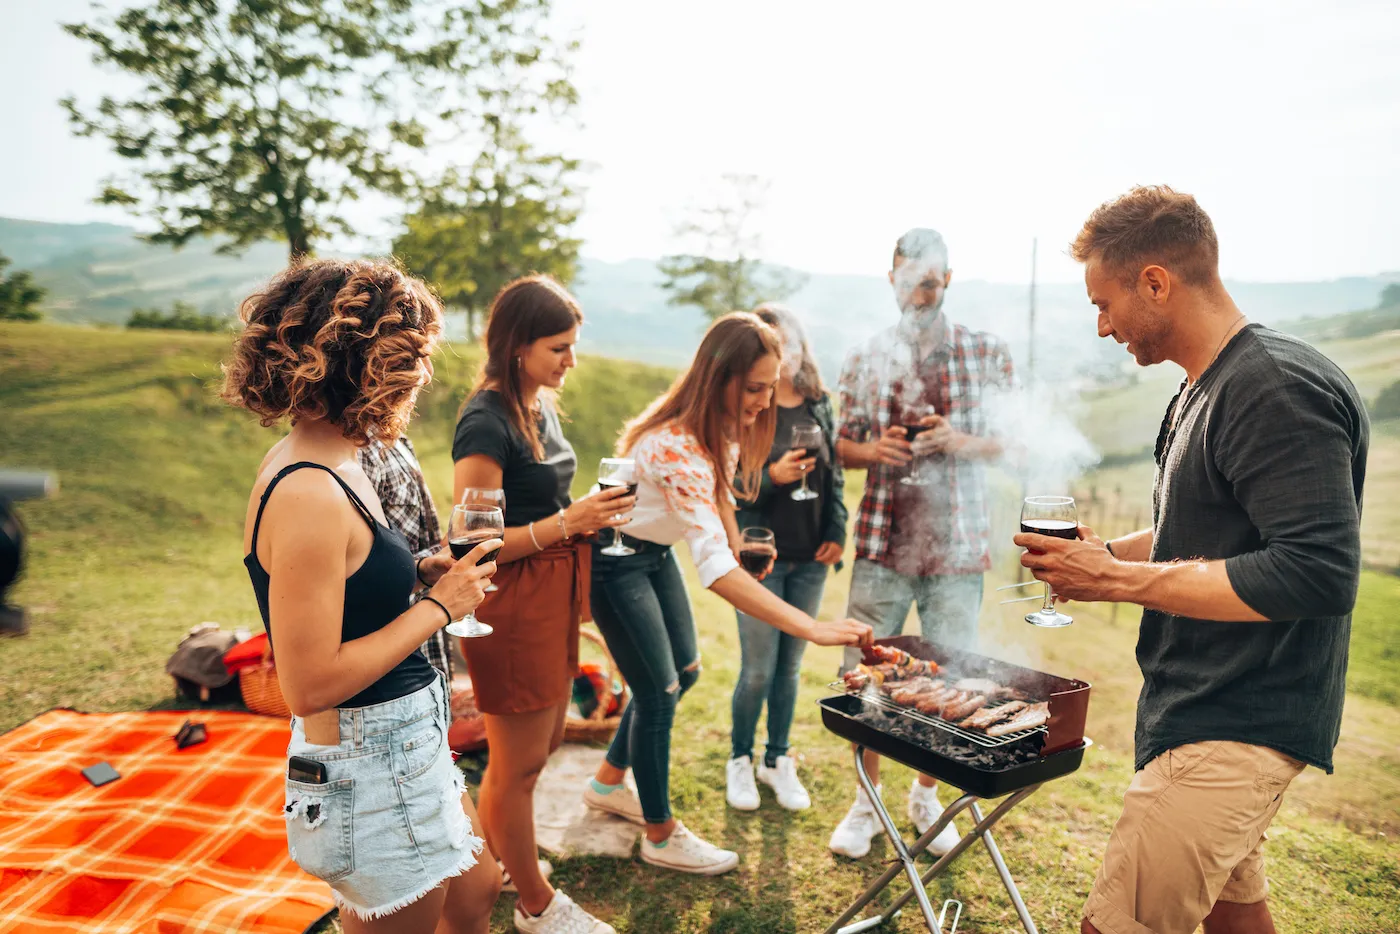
<point x="965" y="367"/>
<point x="408" y="507"/>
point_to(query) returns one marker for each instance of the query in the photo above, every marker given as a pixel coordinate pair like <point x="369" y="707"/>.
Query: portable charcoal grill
<point x="984" y="767"/>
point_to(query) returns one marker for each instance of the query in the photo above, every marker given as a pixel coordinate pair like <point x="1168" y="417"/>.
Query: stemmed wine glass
<point x="757" y="550"/>
<point x="1057" y="516"/>
<point x="912" y="423"/>
<point x="807" y="438"/>
<point x="491" y="499"/>
<point x="471" y="525"/>
<point x="615" y="472"/>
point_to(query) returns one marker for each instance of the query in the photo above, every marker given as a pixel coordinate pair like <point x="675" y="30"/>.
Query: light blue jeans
<point x="772" y="661"/>
<point x="948" y="605"/>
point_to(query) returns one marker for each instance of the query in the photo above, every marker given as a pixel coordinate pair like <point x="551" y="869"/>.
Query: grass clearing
<point x="143" y="542"/>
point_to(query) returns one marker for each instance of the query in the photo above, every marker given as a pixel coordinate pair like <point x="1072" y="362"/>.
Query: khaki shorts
<point x="1191" y="834"/>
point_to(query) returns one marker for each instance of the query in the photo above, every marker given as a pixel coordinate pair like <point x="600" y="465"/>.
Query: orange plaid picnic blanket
<point x="185" y="842"/>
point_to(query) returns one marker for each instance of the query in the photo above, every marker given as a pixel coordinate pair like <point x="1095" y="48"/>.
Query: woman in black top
<point x="508" y="437"/>
<point x="810" y="535"/>
<point x="341" y="350"/>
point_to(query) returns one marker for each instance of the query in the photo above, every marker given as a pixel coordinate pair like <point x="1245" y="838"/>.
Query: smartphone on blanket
<point x="306" y="770"/>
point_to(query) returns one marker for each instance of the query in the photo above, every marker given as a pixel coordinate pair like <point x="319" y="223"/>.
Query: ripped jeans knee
<point x="687" y="677"/>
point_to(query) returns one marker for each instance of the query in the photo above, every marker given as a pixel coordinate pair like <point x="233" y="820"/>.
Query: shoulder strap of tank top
<point x="359" y="503"/>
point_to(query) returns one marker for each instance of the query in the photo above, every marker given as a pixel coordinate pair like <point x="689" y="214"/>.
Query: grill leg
<point x="950" y="812"/>
<point x="983" y="830"/>
<point x="1005" y="874"/>
<point x="906" y="860"/>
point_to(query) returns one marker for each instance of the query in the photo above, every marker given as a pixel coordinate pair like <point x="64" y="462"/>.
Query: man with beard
<point x="1247" y="577"/>
<point x="921" y="535"/>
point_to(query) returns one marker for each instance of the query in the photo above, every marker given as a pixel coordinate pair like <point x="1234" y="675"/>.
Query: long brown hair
<point x="523" y="311"/>
<point x="697" y="400"/>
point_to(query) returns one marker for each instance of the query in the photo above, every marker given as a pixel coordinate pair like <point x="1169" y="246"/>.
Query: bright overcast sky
<point x="994" y="122"/>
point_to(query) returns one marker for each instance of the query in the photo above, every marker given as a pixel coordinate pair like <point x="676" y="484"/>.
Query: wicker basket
<point x="597" y="727"/>
<point x="261" y="691"/>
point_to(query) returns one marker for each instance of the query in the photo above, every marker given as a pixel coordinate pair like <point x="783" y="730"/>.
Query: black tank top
<point x="377" y="593"/>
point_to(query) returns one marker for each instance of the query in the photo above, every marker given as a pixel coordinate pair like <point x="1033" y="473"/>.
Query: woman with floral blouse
<point x="704" y="438"/>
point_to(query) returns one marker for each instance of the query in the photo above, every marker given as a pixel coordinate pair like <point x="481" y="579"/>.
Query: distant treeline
<point x="181" y="317"/>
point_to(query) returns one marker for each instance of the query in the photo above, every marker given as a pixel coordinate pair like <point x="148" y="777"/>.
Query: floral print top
<point x="676" y="499"/>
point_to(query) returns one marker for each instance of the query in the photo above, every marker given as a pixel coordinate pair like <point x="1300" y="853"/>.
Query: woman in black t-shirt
<point x="508" y="437"/>
<point x="810" y="535"/>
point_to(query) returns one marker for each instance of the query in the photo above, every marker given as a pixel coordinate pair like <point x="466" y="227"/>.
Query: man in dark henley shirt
<point x="1247" y="577"/>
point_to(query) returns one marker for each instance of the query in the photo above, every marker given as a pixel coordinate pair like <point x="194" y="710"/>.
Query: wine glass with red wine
<point x="491" y="499"/>
<point x="1056" y="516"/>
<point x="806" y="438"/>
<point x="757" y="550"/>
<point x="616" y="472"/>
<point x="469" y="526"/>
<point x="912" y="422"/>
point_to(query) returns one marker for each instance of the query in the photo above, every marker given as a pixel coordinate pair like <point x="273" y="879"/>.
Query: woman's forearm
<point x="747" y="595"/>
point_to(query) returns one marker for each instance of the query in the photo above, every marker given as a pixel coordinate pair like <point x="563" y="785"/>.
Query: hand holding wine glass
<point x="791" y="467"/>
<point x="463" y="587"/>
<point x="618" y="477"/>
<point x="486" y="498"/>
<point x="807" y="439"/>
<point x="892" y="447"/>
<point x="1057" y="517"/>
<point x="470" y="527"/>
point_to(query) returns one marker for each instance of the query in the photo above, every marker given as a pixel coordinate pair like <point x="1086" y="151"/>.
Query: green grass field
<point x="144" y="542"/>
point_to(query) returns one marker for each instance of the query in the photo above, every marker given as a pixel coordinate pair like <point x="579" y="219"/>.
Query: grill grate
<point x="883" y="702"/>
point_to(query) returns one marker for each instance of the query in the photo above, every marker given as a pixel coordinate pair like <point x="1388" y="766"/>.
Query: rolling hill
<point x="98" y="273"/>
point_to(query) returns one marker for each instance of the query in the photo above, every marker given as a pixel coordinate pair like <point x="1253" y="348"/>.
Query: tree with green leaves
<point x="725" y="274"/>
<point x="19" y="296"/>
<point x="1390" y="296"/>
<point x="512" y="211"/>
<point x="260" y="119"/>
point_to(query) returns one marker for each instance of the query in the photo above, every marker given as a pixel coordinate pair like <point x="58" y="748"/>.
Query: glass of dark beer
<point x="1057" y="516"/>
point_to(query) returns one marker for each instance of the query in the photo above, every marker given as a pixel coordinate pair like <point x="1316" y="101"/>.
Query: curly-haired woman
<point x="374" y="805"/>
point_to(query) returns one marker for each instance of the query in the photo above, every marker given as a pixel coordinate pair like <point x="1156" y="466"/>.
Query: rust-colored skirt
<point x="529" y="662"/>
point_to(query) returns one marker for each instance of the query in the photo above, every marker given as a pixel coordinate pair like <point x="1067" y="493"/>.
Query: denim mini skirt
<point x="387" y="826"/>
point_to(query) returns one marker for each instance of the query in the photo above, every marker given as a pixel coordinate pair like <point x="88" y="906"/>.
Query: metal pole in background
<point x="1030" y="327"/>
<point x="1030" y="374"/>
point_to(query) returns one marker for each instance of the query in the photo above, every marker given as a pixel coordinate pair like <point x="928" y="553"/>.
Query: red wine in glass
<point x="461" y="547"/>
<point x="1059" y="528"/>
<point x="755" y="560"/>
<point x="613" y="485"/>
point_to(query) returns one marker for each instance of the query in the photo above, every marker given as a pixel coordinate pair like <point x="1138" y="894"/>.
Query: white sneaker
<point x="560" y="916"/>
<point x="508" y="884"/>
<point x="621" y="800"/>
<point x="685" y="852"/>
<point x="924" y="811"/>
<point x="782" y="778"/>
<point x="853" y="835"/>
<point x="739" y="789"/>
